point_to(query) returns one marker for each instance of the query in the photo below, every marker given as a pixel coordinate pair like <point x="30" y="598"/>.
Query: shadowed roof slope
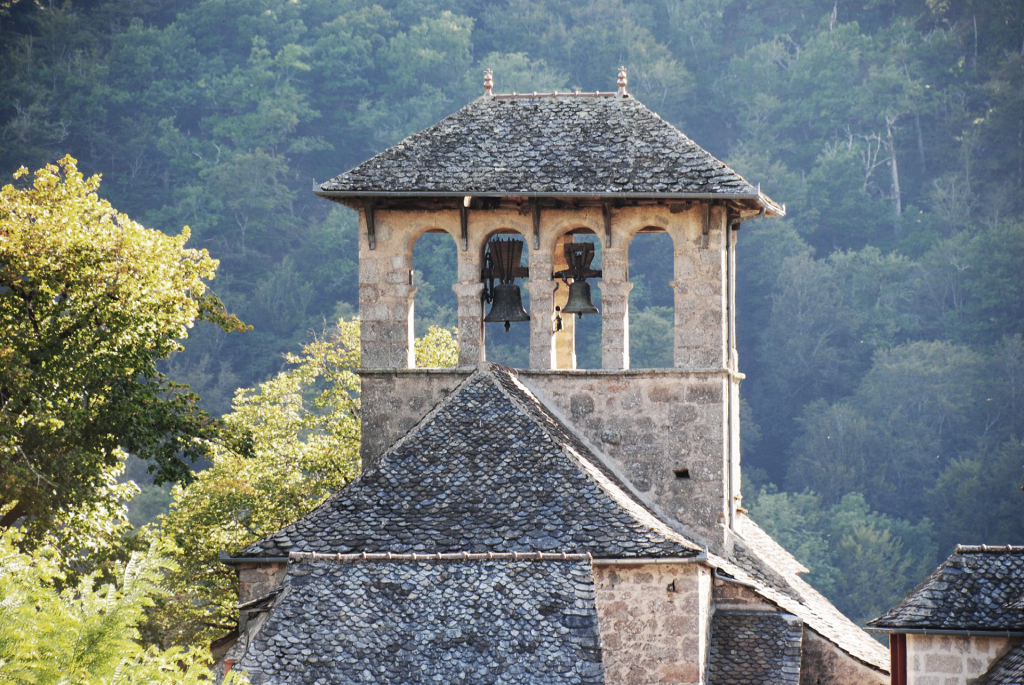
<point x="558" y="145"/>
<point x="1007" y="670"/>
<point x="755" y="648"/>
<point x="488" y="622"/>
<point x="974" y="589"/>
<point x="488" y="470"/>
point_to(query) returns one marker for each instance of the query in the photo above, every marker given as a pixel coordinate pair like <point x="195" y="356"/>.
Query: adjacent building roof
<point x="755" y="648"/>
<point x="488" y="622"/>
<point x="1007" y="670"/>
<point x="491" y="469"/>
<point x="589" y="145"/>
<point x="975" y="589"/>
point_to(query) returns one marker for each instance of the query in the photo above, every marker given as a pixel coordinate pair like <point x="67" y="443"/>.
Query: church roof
<point x="592" y="145"/>
<point x="1007" y="670"/>
<point x="493" y="622"/>
<point x="755" y="648"/>
<point x="977" y="589"/>
<point x="489" y="470"/>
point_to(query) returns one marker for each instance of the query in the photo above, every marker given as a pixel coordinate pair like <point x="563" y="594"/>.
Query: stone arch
<point x="651" y="266"/>
<point x="576" y="340"/>
<point x="432" y="253"/>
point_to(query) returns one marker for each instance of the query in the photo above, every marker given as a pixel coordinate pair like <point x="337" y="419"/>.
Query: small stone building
<point x="547" y="524"/>
<point x="964" y="625"/>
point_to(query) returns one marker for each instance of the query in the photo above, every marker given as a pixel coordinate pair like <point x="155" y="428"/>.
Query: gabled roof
<point x="1007" y="670"/>
<point x="499" y="622"/>
<point x="489" y="470"/>
<point x="755" y="648"/>
<point x="551" y="145"/>
<point x="975" y="589"/>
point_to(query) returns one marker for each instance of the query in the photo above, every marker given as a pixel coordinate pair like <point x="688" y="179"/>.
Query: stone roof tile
<point x="487" y="622"/>
<point x="489" y="470"/>
<point x="550" y="145"/>
<point x="755" y="648"/>
<point x="977" y="588"/>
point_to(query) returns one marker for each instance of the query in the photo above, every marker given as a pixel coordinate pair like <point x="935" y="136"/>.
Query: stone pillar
<point x="385" y="298"/>
<point x="542" y="306"/>
<point x="615" y="287"/>
<point x="565" y="339"/>
<point x="700" y="321"/>
<point x="471" y="322"/>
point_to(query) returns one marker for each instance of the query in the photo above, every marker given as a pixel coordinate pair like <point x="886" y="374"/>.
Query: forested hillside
<point x="880" y="323"/>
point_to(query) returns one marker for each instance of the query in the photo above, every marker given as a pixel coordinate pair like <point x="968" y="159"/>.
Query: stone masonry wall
<point x="664" y="430"/>
<point x="951" y="659"/>
<point x="823" y="663"/>
<point x="654" y="621"/>
<point x="392" y="402"/>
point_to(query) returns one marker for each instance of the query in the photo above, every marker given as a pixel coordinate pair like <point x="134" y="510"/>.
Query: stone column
<point x="471" y="322"/>
<point x="615" y="287"/>
<point x="385" y="299"/>
<point x="542" y="305"/>
<point x="565" y="339"/>
<point x="699" y="287"/>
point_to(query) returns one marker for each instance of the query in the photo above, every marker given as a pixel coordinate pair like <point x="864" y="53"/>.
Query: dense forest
<point x="880" y="322"/>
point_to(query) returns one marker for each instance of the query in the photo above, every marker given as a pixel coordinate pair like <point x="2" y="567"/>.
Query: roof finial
<point x="622" y="83"/>
<point x="488" y="83"/>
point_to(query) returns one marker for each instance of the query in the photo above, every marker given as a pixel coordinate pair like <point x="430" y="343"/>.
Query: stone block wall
<point x="654" y="621"/>
<point x="664" y="430"/>
<point x="951" y="659"/>
<point x="392" y="402"/>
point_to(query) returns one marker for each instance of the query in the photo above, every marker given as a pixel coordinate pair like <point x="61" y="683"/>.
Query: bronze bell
<point x="579" y="300"/>
<point x="507" y="305"/>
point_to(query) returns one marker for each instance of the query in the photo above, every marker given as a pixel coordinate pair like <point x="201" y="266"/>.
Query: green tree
<point x="305" y="427"/>
<point x="87" y="633"/>
<point x="90" y="301"/>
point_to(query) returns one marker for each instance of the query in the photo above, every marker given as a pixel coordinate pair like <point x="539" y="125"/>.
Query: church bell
<point x="507" y="305"/>
<point x="579" y="301"/>
<point x="502" y="262"/>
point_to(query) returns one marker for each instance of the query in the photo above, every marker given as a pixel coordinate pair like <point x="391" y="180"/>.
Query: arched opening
<point x="434" y="270"/>
<point x="509" y="347"/>
<point x="583" y="333"/>
<point x="651" y="301"/>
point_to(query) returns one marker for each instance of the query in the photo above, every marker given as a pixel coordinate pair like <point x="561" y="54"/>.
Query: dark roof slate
<point x="551" y="145"/>
<point x="974" y="589"/>
<point x="489" y="470"/>
<point x="1007" y="670"/>
<point x="755" y="648"/>
<point x="487" y="622"/>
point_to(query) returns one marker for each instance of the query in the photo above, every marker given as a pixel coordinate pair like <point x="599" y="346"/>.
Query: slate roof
<point x="774" y="574"/>
<point x="489" y="470"/>
<point x="755" y="648"/>
<point x="561" y="145"/>
<point x="488" y="622"/>
<point x="1007" y="670"/>
<point x="975" y="589"/>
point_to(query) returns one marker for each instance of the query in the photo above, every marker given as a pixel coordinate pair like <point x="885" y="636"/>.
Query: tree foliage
<point x="90" y="301"/>
<point x="87" y="633"/>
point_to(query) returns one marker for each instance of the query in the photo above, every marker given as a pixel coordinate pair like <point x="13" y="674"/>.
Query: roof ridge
<point x="989" y="549"/>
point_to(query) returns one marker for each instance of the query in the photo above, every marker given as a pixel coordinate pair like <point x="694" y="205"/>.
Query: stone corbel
<point x="371" y="224"/>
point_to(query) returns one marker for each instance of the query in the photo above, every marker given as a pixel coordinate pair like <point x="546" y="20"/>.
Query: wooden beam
<point x="536" y="224"/>
<point x="371" y="225"/>
<point x="606" y="210"/>
<point x="464" y="224"/>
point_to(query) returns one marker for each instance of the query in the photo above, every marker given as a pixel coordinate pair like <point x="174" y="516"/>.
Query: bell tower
<point x="513" y="179"/>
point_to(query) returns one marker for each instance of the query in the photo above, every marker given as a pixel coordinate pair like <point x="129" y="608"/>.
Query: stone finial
<point x="488" y="83"/>
<point x="622" y="82"/>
